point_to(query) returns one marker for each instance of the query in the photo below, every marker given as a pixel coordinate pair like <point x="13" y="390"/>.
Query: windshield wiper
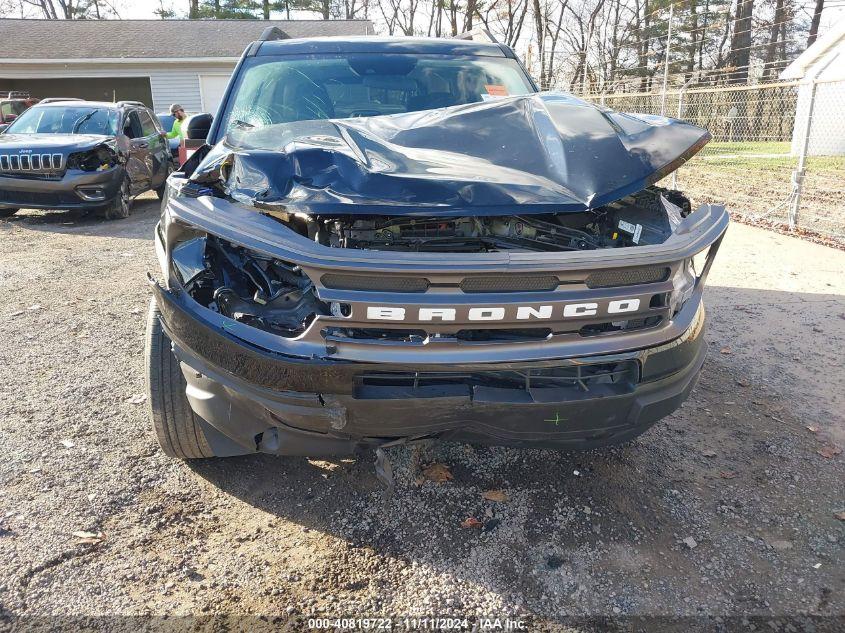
<point x="81" y="120"/>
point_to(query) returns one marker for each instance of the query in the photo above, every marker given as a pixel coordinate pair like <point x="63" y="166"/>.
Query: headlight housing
<point x="245" y="285"/>
<point x="683" y="282"/>
<point x="100" y="158"/>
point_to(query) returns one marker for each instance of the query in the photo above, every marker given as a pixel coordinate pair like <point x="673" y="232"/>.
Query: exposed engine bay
<point x="645" y="218"/>
<point x="278" y="297"/>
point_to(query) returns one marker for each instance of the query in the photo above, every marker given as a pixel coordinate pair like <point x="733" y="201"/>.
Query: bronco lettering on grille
<point x="497" y="313"/>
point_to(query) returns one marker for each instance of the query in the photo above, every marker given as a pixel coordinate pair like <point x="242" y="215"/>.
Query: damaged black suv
<point x="386" y="240"/>
<point x="74" y="154"/>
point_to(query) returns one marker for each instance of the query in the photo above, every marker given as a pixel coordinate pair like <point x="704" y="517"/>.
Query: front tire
<point x="120" y="206"/>
<point x="7" y="213"/>
<point x="175" y="424"/>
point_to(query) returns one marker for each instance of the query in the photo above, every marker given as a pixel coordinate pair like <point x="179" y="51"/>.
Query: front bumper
<point x="256" y="401"/>
<point x="73" y="191"/>
<point x="328" y="393"/>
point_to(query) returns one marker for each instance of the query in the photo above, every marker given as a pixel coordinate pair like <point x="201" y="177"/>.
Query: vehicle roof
<point x="369" y="44"/>
<point x="83" y="104"/>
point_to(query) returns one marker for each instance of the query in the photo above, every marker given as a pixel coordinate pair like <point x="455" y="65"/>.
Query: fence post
<point x="666" y="63"/>
<point x="798" y="173"/>
<point x="681" y="94"/>
<point x="800" y="170"/>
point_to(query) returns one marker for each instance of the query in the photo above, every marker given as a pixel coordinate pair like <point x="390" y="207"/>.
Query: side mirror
<point x="3" y="127"/>
<point x="198" y="126"/>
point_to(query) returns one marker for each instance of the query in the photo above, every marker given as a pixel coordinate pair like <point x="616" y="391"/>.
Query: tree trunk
<point x="266" y="6"/>
<point x="739" y="56"/>
<point x="693" y="44"/>
<point x="642" y="46"/>
<point x="814" y="25"/>
<point x="539" y="26"/>
<point x="770" y="61"/>
<point x="471" y="4"/>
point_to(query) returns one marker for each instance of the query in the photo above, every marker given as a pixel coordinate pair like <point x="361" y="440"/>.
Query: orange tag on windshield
<point x="496" y="90"/>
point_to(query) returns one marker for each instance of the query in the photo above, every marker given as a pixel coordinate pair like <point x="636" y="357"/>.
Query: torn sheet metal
<point x="545" y="153"/>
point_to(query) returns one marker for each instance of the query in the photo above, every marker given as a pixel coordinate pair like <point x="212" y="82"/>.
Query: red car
<point x="13" y="103"/>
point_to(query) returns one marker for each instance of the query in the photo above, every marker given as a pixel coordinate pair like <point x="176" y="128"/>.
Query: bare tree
<point x="814" y="23"/>
<point x="504" y="19"/>
<point x="739" y="57"/>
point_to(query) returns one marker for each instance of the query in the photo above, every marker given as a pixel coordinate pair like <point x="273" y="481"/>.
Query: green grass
<point x="748" y="147"/>
<point x="761" y="164"/>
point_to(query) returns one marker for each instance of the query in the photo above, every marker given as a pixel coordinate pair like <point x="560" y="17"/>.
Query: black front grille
<point x="612" y="277"/>
<point x="510" y="283"/>
<point x="373" y="283"/>
<point x="545" y="384"/>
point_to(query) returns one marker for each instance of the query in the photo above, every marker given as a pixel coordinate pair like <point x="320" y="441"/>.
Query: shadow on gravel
<point x="144" y="215"/>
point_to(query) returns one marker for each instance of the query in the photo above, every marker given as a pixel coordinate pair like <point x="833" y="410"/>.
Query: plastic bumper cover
<point x="257" y="401"/>
<point x="67" y="193"/>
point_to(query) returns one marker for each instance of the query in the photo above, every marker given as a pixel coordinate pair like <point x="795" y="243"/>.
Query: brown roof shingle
<point x="100" y="39"/>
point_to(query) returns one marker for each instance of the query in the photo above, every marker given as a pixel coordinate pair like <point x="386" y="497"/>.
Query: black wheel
<point x="7" y="213"/>
<point x="119" y="207"/>
<point x="174" y="422"/>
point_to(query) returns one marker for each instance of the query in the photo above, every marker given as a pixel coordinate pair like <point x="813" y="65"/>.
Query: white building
<point x="158" y="62"/>
<point x="821" y="70"/>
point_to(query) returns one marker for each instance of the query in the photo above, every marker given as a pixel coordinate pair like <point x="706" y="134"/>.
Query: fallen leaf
<point x="438" y="473"/>
<point x="742" y="382"/>
<point x="726" y="350"/>
<point x="709" y="453"/>
<point x="495" y="495"/>
<point x="137" y="399"/>
<point x="471" y="522"/>
<point x="67" y="443"/>
<point x="812" y="429"/>
<point x="840" y="515"/>
<point x="88" y="538"/>
<point x="829" y="451"/>
<point x="727" y="474"/>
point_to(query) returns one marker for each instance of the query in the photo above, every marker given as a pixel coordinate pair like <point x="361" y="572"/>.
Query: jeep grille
<point x="29" y="163"/>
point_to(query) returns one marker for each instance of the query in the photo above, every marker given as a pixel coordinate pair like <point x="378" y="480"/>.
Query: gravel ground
<point x="725" y="510"/>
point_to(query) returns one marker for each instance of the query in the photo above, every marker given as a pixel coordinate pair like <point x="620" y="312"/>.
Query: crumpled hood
<point x="56" y="142"/>
<point x="541" y="153"/>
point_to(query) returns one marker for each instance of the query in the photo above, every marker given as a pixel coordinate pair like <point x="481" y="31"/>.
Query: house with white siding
<point x="158" y="62"/>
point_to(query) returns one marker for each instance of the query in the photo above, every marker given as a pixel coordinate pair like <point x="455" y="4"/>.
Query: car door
<point x="158" y="150"/>
<point x="139" y="165"/>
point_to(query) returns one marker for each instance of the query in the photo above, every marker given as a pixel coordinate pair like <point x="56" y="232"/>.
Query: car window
<point x="166" y="121"/>
<point x="132" y="125"/>
<point x="148" y="128"/>
<point x="66" y="120"/>
<point x="282" y="89"/>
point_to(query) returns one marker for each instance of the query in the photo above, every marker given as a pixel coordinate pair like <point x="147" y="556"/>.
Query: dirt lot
<point x="728" y="509"/>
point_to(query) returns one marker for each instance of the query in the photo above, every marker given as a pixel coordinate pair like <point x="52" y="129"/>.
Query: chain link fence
<point x="777" y="157"/>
